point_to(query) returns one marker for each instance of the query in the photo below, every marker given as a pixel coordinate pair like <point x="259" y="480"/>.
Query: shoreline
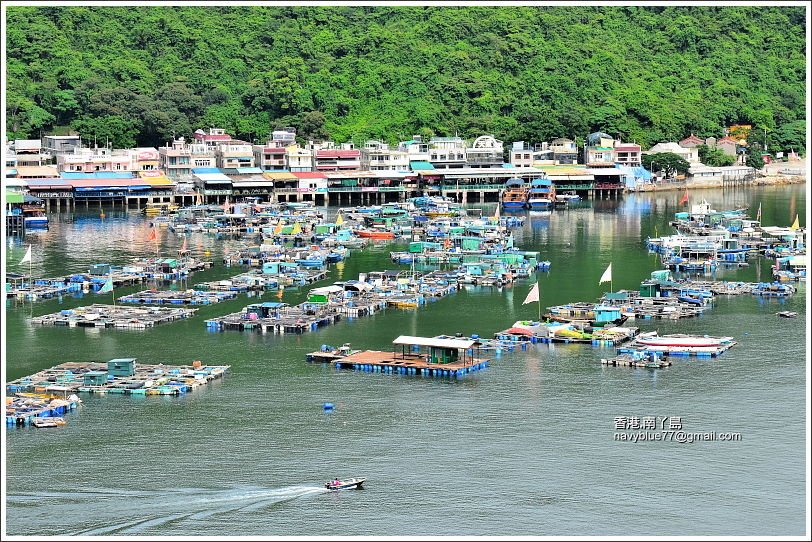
<point x="766" y="180"/>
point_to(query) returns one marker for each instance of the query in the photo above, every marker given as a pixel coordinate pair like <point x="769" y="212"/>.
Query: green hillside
<point x="139" y="74"/>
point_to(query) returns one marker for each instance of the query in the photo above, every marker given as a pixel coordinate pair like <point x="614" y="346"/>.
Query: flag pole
<point x="539" y="300"/>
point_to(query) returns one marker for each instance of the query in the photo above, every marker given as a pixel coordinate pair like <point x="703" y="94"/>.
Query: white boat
<point x="683" y="341"/>
<point x="349" y="483"/>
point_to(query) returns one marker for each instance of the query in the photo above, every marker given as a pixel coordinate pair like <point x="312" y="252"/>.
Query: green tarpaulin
<point x="14" y="197"/>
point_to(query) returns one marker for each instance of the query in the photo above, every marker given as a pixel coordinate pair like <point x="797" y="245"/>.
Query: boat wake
<point x="101" y="511"/>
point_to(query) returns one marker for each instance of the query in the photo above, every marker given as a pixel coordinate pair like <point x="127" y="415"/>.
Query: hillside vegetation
<point x="137" y="75"/>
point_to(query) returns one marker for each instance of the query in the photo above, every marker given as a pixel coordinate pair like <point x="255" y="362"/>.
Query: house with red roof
<point x="628" y="154"/>
<point x="691" y="141"/>
<point x="728" y="145"/>
<point x="343" y="159"/>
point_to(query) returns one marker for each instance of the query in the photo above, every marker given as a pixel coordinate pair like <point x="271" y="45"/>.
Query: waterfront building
<point x="377" y="156"/>
<point x="565" y="151"/>
<point x="628" y="154"/>
<point x="416" y="149"/>
<point x="338" y="158"/>
<point x="212" y="183"/>
<point x="485" y="152"/>
<point x="521" y="154"/>
<point x="691" y="141"/>
<point x="250" y="182"/>
<point x="719" y="175"/>
<point x="447" y="152"/>
<point x="234" y="153"/>
<point x="272" y="156"/>
<point x="54" y="145"/>
<point x="179" y="159"/>
<point x="691" y="154"/>
<point x="299" y="158"/>
<point x="87" y="160"/>
<point x="213" y="138"/>
<point x="728" y="145"/>
<point x="599" y="150"/>
<point x="26" y="152"/>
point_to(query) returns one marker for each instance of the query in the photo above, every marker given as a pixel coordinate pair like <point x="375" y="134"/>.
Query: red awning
<point x="519" y="331"/>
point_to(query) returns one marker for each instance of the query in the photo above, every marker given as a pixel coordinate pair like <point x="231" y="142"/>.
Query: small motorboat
<point x="787" y="314"/>
<point x="349" y="483"/>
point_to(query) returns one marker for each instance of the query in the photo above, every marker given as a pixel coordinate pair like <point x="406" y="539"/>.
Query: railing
<point x="336" y="189"/>
<point x="465" y="187"/>
<point x="581" y="186"/>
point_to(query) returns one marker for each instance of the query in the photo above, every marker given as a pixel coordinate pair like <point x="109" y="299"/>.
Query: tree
<point x="668" y="162"/>
<point x="714" y="157"/>
<point x="117" y="130"/>
<point x="754" y="160"/>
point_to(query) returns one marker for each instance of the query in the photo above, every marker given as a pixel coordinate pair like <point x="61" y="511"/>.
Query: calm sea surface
<point x="526" y="447"/>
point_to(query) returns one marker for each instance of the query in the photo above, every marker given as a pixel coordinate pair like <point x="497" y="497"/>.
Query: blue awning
<point x="420" y="165"/>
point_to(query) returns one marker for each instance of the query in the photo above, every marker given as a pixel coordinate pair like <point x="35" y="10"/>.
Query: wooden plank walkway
<point x="408" y="363"/>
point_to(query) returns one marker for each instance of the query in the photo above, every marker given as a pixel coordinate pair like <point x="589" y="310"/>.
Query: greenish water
<point x="525" y="447"/>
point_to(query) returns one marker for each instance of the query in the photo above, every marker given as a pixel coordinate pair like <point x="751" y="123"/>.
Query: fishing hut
<point x="426" y="356"/>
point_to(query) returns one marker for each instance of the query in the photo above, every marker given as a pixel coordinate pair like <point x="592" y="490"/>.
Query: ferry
<point x="542" y="195"/>
<point x="515" y="194"/>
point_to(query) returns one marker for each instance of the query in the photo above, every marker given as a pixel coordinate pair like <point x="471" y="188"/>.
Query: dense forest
<point x="138" y="75"/>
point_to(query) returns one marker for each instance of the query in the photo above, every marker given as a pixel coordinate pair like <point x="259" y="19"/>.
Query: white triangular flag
<point x="607" y="275"/>
<point x="533" y="295"/>
<point x="27" y="257"/>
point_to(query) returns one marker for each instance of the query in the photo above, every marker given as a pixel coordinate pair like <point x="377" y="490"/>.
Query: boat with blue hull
<point x="542" y="195"/>
<point x="515" y="195"/>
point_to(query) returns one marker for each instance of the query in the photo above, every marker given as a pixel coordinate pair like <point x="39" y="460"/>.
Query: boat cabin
<point x="433" y="350"/>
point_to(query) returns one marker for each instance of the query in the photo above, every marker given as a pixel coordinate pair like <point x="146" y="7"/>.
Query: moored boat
<point x="682" y="341"/>
<point x="515" y="194"/>
<point x="542" y="195"/>
<point x="375" y="234"/>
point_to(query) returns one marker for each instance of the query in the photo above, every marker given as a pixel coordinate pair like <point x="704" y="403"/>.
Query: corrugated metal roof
<point x="48" y="183"/>
<point x="438" y="343"/>
<point x="279" y="175"/>
<point x="37" y="171"/>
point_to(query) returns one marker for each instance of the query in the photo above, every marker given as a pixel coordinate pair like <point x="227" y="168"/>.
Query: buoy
<point x="329" y="406"/>
<point x="207" y="253"/>
<point x="101" y="215"/>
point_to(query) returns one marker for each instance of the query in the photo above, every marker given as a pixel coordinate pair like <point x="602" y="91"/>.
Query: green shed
<point x="121" y="367"/>
<point x="95" y="378"/>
